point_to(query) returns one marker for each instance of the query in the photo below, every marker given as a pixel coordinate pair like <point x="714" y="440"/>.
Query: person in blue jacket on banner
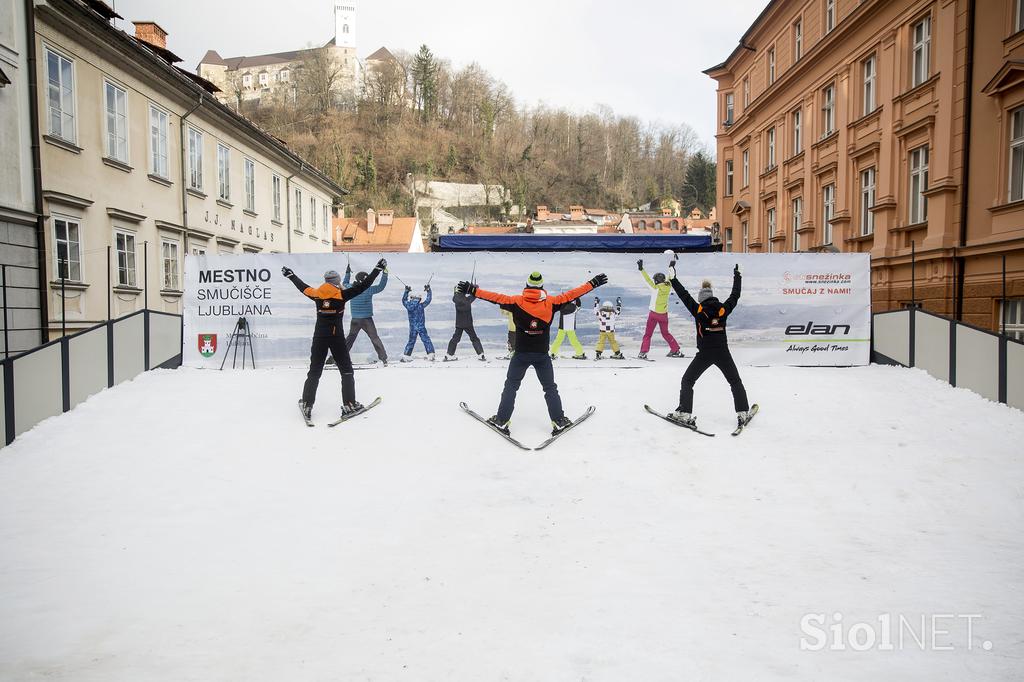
<point x="414" y="305"/>
<point x="361" y="310"/>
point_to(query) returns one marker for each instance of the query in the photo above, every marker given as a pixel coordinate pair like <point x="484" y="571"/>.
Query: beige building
<point x="849" y="125"/>
<point x="141" y="165"/>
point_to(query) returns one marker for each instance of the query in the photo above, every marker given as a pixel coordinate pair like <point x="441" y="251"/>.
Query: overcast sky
<point x="640" y="57"/>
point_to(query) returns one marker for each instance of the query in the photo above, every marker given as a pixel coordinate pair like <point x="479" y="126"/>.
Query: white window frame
<point x="746" y="167"/>
<point x="312" y="213"/>
<point x="275" y="188"/>
<point x="223" y="172"/>
<point x="921" y="41"/>
<point x="828" y="211"/>
<point x="728" y="239"/>
<point x="770" y="142"/>
<point x="247" y="80"/>
<point x="264" y="79"/>
<point x="830" y="15"/>
<point x="730" y="108"/>
<point x="1016" y="184"/>
<point x="198" y="250"/>
<point x="195" y="158"/>
<point x="770" y="216"/>
<point x="325" y="210"/>
<point x="771" y="65"/>
<point x="1014" y="318"/>
<point x="72" y="247"/>
<point x="798" y="39"/>
<point x="798" y="133"/>
<point x="746" y="92"/>
<point x="170" y="265"/>
<point x="728" y="177"/>
<point x="918" y="203"/>
<point x="249" y="167"/>
<point x="746" y="235"/>
<point x="60" y="96"/>
<point x="298" y="209"/>
<point x="868" y="182"/>
<point x="797" y="208"/>
<point x="1018" y="16"/>
<point x="283" y="75"/>
<point x="828" y="110"/>
<point x="159" y="143"/>
<point x="115" y="125"/>
<point x="869" y="71"/>
<point x="127" y="275"/>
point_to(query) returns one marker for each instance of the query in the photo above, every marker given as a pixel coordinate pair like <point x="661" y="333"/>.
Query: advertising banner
<point x="795" y="309"/>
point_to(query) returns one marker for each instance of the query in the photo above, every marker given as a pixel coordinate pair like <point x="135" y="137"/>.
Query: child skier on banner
<point x="658" y="315"/>
<point x="361" y="312"/>
<point x="710" y="317"/>
<point x="567" y="328"/>
<point x="464" y="323"/>
<point x="511" y="342"/>
<point x="329" y="334"/>
<point x="533" y="311"/>
<point x="607" y="312"/>
<point x="414" y="305"/>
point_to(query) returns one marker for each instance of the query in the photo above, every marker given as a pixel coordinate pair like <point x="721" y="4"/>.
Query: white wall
<point x="38" y="393"/>
<point x="88" y="368"/>
<point x="977" y="361"/>
<point x="892" y="334"/>
<point x="931" y="345"/>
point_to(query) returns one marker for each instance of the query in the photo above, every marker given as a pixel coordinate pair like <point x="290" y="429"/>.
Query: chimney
<point x="385" y="217"/>
<point x="150" y="32"/>
<point x="576" y="213"/>
<point x="371" y="220"/>
<point x="542" y="213"/>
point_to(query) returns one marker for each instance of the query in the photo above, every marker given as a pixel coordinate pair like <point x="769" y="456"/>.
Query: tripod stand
<point x="240" y="336"/>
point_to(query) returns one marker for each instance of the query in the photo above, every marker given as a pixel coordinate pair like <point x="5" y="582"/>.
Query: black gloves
<point x="598" y="280"/>
<point x="382" y="264"/>
<point x="348" y="269"/>
<point x="736" y="269"/>
<point x="640" y="264"/>
<point x="426" y="287"/>
<point x="408" y="288"/>
<point x="287" y="272"/>
<point x="466" y="288"/>
<point x="618" y="301"/>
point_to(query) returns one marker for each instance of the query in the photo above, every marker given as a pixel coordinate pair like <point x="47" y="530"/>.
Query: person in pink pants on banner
<point x="658" y="315"/>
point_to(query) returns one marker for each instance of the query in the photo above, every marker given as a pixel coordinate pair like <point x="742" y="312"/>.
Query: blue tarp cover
<point x="574" y="242"/>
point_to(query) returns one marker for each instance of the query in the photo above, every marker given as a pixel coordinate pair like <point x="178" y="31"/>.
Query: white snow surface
<point x="188" y="526"/>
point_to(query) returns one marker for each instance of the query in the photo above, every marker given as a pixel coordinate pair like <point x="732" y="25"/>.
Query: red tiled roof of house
<point x="350" y="234"/>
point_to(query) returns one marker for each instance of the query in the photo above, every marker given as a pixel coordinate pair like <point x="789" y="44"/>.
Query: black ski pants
<point x="722" y="359"/>
<point x="365" y="324"/>
<point x="517" y="366"/>
<point x="457" y="336"/>
<point x="334" y="343"/>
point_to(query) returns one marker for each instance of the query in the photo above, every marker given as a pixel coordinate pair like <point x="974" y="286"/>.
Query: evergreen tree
<point x="424" y="81"/>
<point x="700" y="173"/>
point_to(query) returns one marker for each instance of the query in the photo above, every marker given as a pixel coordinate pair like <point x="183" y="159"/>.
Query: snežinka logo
<point x="207" y="345"/>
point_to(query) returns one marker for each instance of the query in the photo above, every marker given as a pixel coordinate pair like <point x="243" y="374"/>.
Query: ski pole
<point x="430" y="278"/>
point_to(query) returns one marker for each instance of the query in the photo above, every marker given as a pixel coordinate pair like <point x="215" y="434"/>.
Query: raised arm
<point x="294" y="279"/>
<point x="647" y="278"/>
<point x="359" y="287"/>
<point x="683" y="294"/>
<point x="489" y="296"/>
<point x="585" y="288"/>
<point x="429" y="297"/>
<point x="348" y="276"/>
<point x="380" y="287"/>
<point x="734" y="297"/>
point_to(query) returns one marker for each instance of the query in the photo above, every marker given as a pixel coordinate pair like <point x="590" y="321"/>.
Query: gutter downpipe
<point x="37" y="168"/>
<point x="960" y="263"/>
<point x="184" y="173"/>
<point x="288" y="204"/>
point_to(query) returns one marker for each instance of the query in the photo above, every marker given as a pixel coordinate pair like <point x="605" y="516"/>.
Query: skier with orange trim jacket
<point x="329" y="334"/>
<point x="710" y="316"/>
<point x="532" y="312"/>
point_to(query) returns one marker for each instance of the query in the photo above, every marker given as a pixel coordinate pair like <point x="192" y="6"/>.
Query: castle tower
<point x="345" y="23"/>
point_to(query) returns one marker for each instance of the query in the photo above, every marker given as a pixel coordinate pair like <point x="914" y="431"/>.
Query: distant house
<point x="380" y="231"/>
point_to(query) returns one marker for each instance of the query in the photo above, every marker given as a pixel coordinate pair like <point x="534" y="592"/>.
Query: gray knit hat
<point x="705" y="291"/>
<point x="332" y="277"/>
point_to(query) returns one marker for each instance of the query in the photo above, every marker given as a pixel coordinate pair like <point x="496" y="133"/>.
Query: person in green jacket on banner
<point x="567" y="329"/>
<point x="658" y="315"/>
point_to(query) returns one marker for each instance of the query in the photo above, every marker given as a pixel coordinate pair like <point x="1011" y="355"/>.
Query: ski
<point x="581" y="419"/>
<point x="675" y="423"/>
<point x="739" y="429"/>
<point x="309" y="422"/>
<point x="474" y="415"/>
<point x="345" y="417"/>
<point x="645" y="359"/>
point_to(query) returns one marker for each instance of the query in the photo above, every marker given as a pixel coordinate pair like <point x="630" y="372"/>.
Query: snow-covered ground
<point x="188" y="526"/>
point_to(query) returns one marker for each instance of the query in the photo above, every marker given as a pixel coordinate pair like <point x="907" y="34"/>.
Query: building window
<point x="746" y="235"/>
<point x="344" y="29"/>
<point x="798" y="40"/>
<point x="250" y="184"/>
<point x="798" y="209"/>
<point x="116" y="100"/>
<point x="298" y="208"/>
<point x="868" y="69"/>
<point x="276" y="191"/>
<point x="247" y="81"/>
<point x="223" y="172"/>
<point x="1018" y="16"/>
<point x="312" y="214"/>
<point x="283" y="75"/>
<point x="828" y="203"/>
<point x="771" y="223"/>
<point x="771" y="66"/>
<point x="830" y="15"/>
<point x="728" y="239"/>
<point x="918" y="185"/>
<point x="798" y="140"/>
<point x="1011" y="318"/>
<point x="158" y="141"/>
<point x="198" y="251"/>
<point x="746" y="93"/>
<point x="68" y="249"/>
<point x="729" y="108"/>
<point x="195" y="159"/>
<point x="657" y="225"/>
<point x="125" y="244"/>
<point x="746" y="167"/>
<point x="922" y="40"/>
<point x="169" y="256"/>
<point x="867" y="202"/>
<point x="828" y="110"/>
<point x="728" y="177"/>
<point x="264" y="79"/>
<point x="326" y="216"/>
<point x="60" y="96"/>
<point x="1017" y="154"/>
<point x="771" y="147"/>
<point x="642" y="225"/>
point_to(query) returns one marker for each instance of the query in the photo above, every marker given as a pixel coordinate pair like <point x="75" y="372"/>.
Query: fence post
<point x="952" y="352"/>
<point x="7" y="343"/>
<point x="9" y="402"/>
<point x="65" y="373"/>
<point x="913" y="332"/>
<point x="1002" y="368"/>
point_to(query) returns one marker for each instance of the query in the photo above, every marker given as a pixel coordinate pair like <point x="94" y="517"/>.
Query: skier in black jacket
<point x="464" y="323"/>
<point x="710" y="316"/>
<point x="329" y="334"/>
